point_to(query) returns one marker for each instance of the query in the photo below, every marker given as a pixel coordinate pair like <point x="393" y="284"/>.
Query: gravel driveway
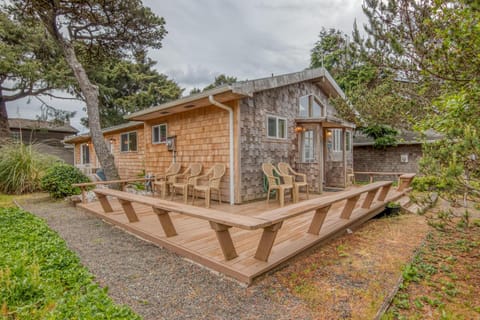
<point x="154" y="282"/>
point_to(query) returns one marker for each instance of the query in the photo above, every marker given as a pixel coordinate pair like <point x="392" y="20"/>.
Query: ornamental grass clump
<point x="21" y="168"/>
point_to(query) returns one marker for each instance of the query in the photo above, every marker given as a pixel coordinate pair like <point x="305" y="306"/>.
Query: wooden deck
<point x="195" y="239"/>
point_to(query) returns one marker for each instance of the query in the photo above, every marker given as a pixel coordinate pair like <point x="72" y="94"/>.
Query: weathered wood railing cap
<point x="279" y="214"/>
<point x="94" y="183"/>
<point x="225" y="218"/>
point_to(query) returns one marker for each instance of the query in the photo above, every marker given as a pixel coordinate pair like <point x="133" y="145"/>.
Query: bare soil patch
<point x="350" y="277"/>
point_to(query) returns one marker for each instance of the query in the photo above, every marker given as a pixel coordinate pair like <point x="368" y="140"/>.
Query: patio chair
<point x="274" y="183"/>
<point x="350" y="177"/>
<point x="286" y="170"/>
<point x="164" y="181"/>
<point x="214" y="176"/>
<point x="184" y="180"/>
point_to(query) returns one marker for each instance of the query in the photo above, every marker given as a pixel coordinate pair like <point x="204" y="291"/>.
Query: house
<point x="404" y="157"/>
<point x="279" y="118"/>
<point x="47" y="136"/>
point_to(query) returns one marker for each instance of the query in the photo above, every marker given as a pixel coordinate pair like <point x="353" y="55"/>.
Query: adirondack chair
<point x="214" y="176"/>
<point x="185" y="180"/>
<point x="286" y="170"/>
<point x="274" y="182"/>
<point x="165" y="180"/>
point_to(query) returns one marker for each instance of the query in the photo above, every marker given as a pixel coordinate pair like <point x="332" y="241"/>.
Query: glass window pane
<point x="85" y="154"/>
<point x="316" y="109"/>
<point x="163" y="133"/>
<point x="156" y="134"/>
<point x="272" y="127"/>
<point x="124" y="142"/>
<point x="132" y="141"/>
<point x="303" y="107"/>
<point x="348" y="141"/>
<point x="308" y="146"/>
<point x="282" y="128"/>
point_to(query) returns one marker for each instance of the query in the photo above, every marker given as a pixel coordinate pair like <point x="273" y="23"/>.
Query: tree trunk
<point x="90" y="92"/>
<point x="4" y="127"/>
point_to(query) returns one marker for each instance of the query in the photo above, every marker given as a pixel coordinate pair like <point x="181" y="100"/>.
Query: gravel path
<point x="154" y="282"/>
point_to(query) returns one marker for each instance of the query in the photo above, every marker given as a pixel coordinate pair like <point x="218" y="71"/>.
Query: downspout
<point x="230" y="114"/>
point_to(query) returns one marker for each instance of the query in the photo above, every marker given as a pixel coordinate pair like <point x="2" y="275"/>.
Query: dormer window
<point x="310" y="106"/>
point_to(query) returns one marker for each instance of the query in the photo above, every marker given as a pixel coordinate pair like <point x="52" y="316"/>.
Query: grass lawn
<point x="40" y="278"/>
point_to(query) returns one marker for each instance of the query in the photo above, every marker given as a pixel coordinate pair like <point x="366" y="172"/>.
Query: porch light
<point x="299" y="129"/>
<point x="329" y="133"/>
<point x="112" y="141"/>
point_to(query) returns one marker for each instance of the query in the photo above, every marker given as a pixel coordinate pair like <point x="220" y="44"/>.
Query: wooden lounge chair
<point x="184" y="180"/>
<point x="274" y="183"/>
<point x="286" y="170"/>
<point x="214" y="176"/>
<point x="165" y="180"/>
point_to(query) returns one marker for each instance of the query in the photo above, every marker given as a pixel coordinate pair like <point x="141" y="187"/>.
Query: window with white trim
<point x="85" y="153"/>
<point x="128" y="141"/>
<point x="276" y="127"/>
<point x="308" y="146"/>
<point x="337" y="140"/>
<point x="159" y="133"/>
<point x="310" y="106"/>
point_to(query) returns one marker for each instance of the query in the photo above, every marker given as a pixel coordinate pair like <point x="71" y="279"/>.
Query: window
<point x="348" y="141"/>
<point x="85" y="153"/>
<point x="337" y="140"/>
<point x="128" y="141"/>
<point x="159" y="134"/>
<point x="276" y="127"/>
<point x="15" y="135"/>
<point x="308" y="145"/>
<point x="311" y="107"/>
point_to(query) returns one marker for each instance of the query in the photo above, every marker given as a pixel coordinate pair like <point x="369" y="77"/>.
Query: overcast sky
<point x="247" y="39"/>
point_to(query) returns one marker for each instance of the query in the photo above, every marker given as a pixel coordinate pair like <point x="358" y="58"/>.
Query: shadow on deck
<point x="247" y="240"/>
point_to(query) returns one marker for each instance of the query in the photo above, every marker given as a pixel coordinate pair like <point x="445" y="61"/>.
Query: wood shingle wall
<point x="202" y="135"/>
<point x="257" y="148"/>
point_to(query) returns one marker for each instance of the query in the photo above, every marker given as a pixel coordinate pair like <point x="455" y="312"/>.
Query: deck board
<point x="197" y="241"/>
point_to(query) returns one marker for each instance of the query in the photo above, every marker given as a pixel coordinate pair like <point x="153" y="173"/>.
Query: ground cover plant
<point x="442" y="281"/>
<point x="40" y="278"/>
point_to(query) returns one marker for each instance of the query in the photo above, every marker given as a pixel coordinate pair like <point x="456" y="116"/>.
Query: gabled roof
<point x="19" y="123"/>
<point x="319" y="76"/>
<point x="118" y="128"/>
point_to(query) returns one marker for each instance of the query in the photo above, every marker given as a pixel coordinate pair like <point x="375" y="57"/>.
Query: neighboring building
<point x="47" y="136"/>
<point x="402" y="158"/>
<point x="279" y="118"/>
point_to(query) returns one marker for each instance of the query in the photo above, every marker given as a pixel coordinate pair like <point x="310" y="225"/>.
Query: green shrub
<point x="59" y="179"/>
<point x="40" y="278"/>
<point x="21" y="168"/>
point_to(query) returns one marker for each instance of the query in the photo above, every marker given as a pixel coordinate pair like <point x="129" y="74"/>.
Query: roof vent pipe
<point x="230" y="127"/>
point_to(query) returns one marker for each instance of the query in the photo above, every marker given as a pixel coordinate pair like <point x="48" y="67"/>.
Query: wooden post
<point x="129" y="211"/>
<point x="318" y="219"/>
<point x="104" y="203"/>
<point x="349" y="206"/>
<point x="225" y="240"/>
<point x="266" y="242"/>
<point x="166" y="222"/>
<point x="369" y="199"/>
<point x="384" y="192"/>
<point x="84" y="196"/>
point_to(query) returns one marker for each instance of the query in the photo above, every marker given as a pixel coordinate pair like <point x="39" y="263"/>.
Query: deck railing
<point x="270" y="221"/>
